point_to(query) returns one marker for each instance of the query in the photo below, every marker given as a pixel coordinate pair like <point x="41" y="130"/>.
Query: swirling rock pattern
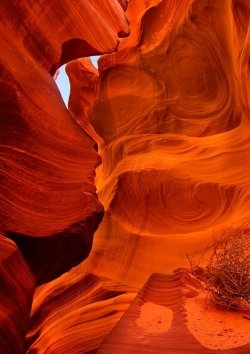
<point x="169" y="111"/>
<point x="47" y="161"/>
<point x="74" y="313"/>
<point x="173" y="111"/>
<point x="48" y="198"/>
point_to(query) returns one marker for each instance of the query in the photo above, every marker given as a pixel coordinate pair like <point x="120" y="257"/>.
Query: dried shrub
<point x="226" y="276"/>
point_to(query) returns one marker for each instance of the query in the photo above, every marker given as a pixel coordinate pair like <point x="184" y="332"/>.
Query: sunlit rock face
<point x="173" y="112"/>
<point x="74" y="313"/>
<point x="84" y="82"/>
<point x="167" y="317"/>
<point x="169" y="111"/>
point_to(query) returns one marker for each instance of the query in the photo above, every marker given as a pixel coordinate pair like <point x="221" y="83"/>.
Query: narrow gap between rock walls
<point x="62" y="80"/>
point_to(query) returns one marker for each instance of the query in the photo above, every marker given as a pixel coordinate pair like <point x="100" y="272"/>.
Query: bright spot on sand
<point x="154" y="318"/>
<point x="216" y="329"/>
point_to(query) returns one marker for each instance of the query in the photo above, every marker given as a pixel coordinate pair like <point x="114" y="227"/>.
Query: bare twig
<point x="226" y="276"/>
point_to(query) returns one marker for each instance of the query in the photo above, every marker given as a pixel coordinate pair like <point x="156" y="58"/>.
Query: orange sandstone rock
<point x="84" y="80"/>
<point x="55" y="32"/>
<point x="48" y="200"/>
<point x="171" y="108"/>
<point x="173" y="111"/>
<point x="157" y="321"/>
<point x="47" y="193"/>
<point x="74" y="313"/>
<point x="124" y="3"/>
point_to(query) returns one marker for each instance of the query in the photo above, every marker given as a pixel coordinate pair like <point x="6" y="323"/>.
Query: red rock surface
<point x="48" y="162"/>
<point x="84" y="81"/>
<point x="56" y="32"/>
<point x="48" y="200"/>
<point x="169" y="111"/>
<point x="16" y="291"/>
<point x="74" y="313"/>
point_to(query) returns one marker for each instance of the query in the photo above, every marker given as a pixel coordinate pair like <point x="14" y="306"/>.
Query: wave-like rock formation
<point x="173" y="111"/>
<point x="75" y="313"/>
<point x="47" y="161"/>
<point x="169" y="112"/>
<point x="48" y="200"/>
<point x="55" y="32"/>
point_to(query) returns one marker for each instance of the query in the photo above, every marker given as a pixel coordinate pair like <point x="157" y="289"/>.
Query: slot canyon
<point x="103" y="203"/>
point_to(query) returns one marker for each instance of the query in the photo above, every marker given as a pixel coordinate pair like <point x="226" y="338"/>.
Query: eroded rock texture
<point x="16" y="291"/>
<point x="84" y="82"/>
<point x="55" y="32"/>
<point x="170" y="113"/>
<point x="48" y="162"/>
<point x="173" y="111"/>
<point x="74" y="313"/>
<point x="48" y="197"/>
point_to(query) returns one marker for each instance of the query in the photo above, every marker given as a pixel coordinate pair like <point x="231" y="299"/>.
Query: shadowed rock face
<point x="48" y="162"/>
<point x="48" y="200"/>
<point x="17" y="286"/>
<point x="61" y="251"/>
<point x="169" y="111"/>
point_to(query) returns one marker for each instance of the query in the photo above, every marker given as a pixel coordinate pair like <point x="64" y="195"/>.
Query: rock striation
<point x="74" y="313"/>
<point x="47" y="161"/>
<point x="84" y="82"/>
<point x="157" y="321"/>
<point x="173" y="111"/>
<point x="168" y="110"/>
<point x="17" y="286"/>
<point x="48" y="201"/>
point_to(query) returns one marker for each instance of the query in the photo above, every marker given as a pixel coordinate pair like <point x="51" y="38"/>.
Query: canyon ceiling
<point x="149" y="163"/>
